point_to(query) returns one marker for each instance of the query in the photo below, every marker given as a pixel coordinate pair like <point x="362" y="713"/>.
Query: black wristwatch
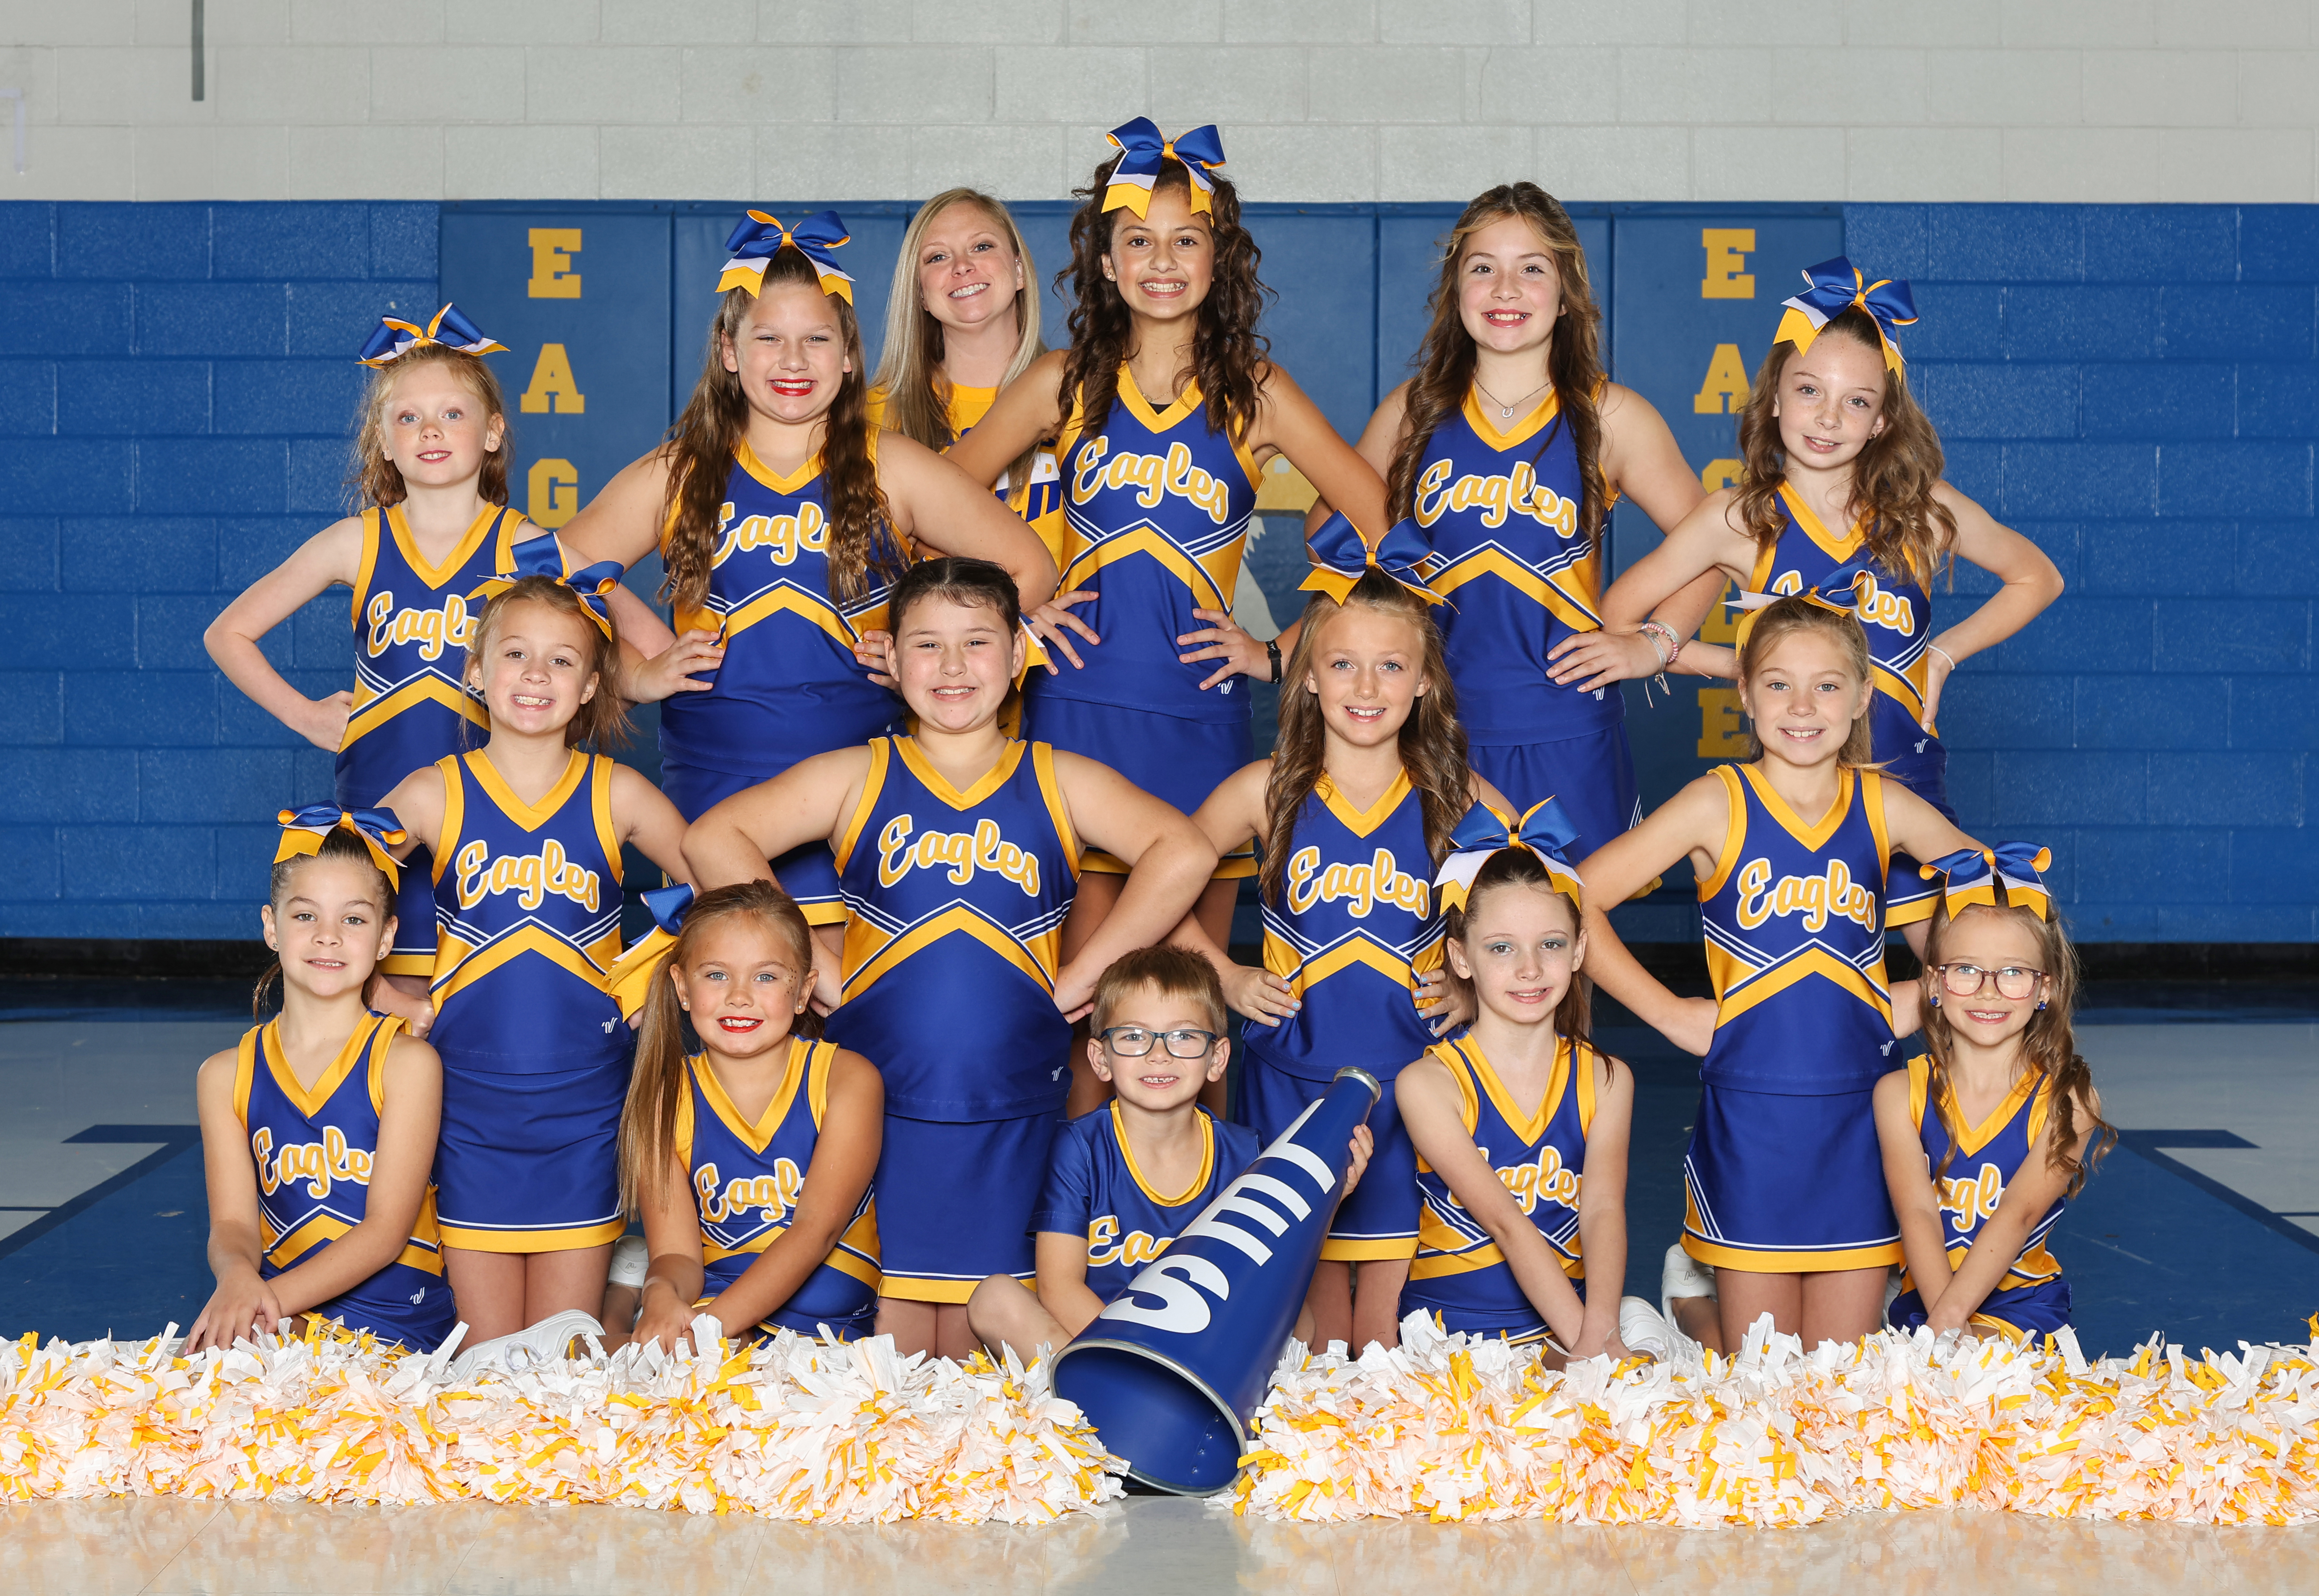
<point x="1272" y="652"/>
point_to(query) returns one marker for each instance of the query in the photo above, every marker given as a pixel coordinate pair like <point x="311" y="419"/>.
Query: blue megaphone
<point x="1172" y="1372"/>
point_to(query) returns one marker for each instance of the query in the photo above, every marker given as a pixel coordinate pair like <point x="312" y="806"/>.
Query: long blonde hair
<point x="909" y="371"/>
<point x="1782" y="620"/>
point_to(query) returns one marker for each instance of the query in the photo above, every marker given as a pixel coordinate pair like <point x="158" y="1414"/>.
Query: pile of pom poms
<point x="789" y="1427"/>
<point x="1456" y="1428"/>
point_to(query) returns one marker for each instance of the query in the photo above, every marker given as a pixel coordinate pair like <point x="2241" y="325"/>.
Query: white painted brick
<point x="1590" y="21"/>
<point x="455" y="83"/>
<point x="2092" y="24"/>
<point x="131" y="85"/>
<point x="1714" y="23"/>
<point x="1300" y="21"/>
<point x="631" y="83"/>
<point x="679" y="22"/>
<point x="1387" y="84"/>
<point x="2247" y="24"/>
<point x="368" y="22"/>
<point x="1454" y="21"/>
<point x="79" y="21"/>
<point x="686" y="163"/>
<point x="1549" y="85"/>
<point x="1140" y="22"/>
<point x="371" y="163"/>
<point x="1613" y="163"/>
<point x="2235" y="165"/>
<point x="1850" y="87"/>
<point x="1951" y="23"/>
<point x="2173" y="88"/>
<point x="1238" y="82"/>
<point x="987" y="22"/>
<point x="315" y="85"/>
<point x="1924" y="165"/>
<point x="1014" y="163"/>
<point x="914" y="84"/>
<point x="2083" y="165"/>
<point x="2003" y="87"/>
<point x="1750" y="164"/>
<point x="1312" y="164"/>
<point x="32" y="69"/>
<point x="70" y="163"/>
<point x="1085" y="148"/>
<point x="1696" y="86"/>
<point x="215" y="163"/>
<point x="1077" y="84"/>
<point x="1444" y="163"/>
<point x="759" y="84"/>
<point x="820" y="162"/>
<point x="523" y="22"/>
<point x="832" y="22"/>
<point x="544" y="162"/>
<point x="223" y="21"/>
<point x="2278" y="89"/>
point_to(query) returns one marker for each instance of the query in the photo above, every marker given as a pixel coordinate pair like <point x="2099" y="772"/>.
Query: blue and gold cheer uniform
<point x="412" y="621"/>
<point x="1156" y="506"/>
<point x="1897" y="616"/>
<point x="1459" y="1275"/>
<point x="313" y="1152"/>
<point x="1356" y="928"/>
<point x="2033" y="1299"/>
<point x="1501" y="512"/>
<point x="1096" y="1192"/>
<point x="788" y="687"/>
<point x="954" y="907"/>
<point x="534" y="1052"/>
<point x="1039" y="502"/>
<point x="747" y="1180"/>
<point x="1783" y="1174"/>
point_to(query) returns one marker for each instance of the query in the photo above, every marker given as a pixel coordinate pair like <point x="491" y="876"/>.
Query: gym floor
<point x="2204" y="1224"/>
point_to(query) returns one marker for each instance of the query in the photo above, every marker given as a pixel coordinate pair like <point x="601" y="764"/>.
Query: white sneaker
<point x="548" y="1341"/>
<point x="1644" y="1329"/>
<point x="631" y="1260"/>
<point x="1682" y="1276"/>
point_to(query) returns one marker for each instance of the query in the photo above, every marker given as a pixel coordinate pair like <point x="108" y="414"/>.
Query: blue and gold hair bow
<point x="1341" y="557"/>
<point x="304" y="831"/>
<point x="395" y="337"/>
<point x="1544" y="829"/>
<point x="543" y="556"/>
<point x="630" y="978"/>
<point x="1144" y="152"/>
<point x="1975" y="874"/>
<point x="1838" y="589"/>
<point x="1835" y="287"/>
<point x="758" y="238"/>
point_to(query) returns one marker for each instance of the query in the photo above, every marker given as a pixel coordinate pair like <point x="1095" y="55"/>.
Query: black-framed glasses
<point x="1134" y="1041"/>
<point x="2015" y="981"/>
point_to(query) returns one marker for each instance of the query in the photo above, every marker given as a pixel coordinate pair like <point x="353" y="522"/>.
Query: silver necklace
<point x="1506" y="411"/>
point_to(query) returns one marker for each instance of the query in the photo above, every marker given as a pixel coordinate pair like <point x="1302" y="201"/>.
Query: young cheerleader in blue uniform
<point x="750" y="1159"/>
<point x="1356" y="807"/>
<point x="318" y="1128"/>
<point x="1989" y="1135"/>
<point x="1784" y="1182"/>
<point x="1843" y="469"/>
<point x="1165" y="410"/>
<point x="958" y="850"/>
<point x="526" y="834"/>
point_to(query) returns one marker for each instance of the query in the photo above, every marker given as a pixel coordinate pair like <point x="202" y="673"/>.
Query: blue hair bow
<point x="629" y="979"/>
<point x="544" y="556"/>
<point x="396" y="338"/>
<point x="1544" y="828"/>
<point x="758" y="238"/>
<point x="1341" y="557"/>
<point x="1975" y="874"/>
<point x="304" y="831"/>
<point x="1144" y="151"/>
<point x="1838" y="589"/>
<point x="1835" y="286"/>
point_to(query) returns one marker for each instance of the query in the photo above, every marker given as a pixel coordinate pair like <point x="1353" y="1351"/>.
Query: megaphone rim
<point x="1376" y="1088"/>
<point x="1176" y="1369"/>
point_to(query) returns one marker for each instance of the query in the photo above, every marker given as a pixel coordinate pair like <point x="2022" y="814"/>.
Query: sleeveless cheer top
<point x="1156" y="509"/>
<point x="1459" y="1273"/>
<point x="747" y="1180"/>
<point x="1095" y="1190"/>
<point x="1501" y="510"/>
<point x="954" y="905"/>
<point x="528" y="911"/>
<point x="1794" y="921"/>
<point x="313" y="1152"/>
<point x="789" y="685"/>
<point x="1354" y="930"/>
<point x="1987" y="1156"/>
<point x="1038" y="501"/>
<point x="411" y="623"/>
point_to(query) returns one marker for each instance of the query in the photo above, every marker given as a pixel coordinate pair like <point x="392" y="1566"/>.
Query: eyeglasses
<point x="2013" y="980"/>
<point x="1134" y="1041"/>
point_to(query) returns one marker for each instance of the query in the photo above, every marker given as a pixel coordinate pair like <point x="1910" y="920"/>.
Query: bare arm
<point x="673" y="1279"/>
<point x="943" y="511"/>
<point x="1603" y="1209"/>
<point x="1288" y="422"/>
<point x="1690" y="824"/>
<point x="1910" y="1186"/>
<point x="642" y="816"/>
<point x="331" y="557"/>
<point x="1169" y="863"/>
<point x="805" y="803"/>
<point x="1063" y="1281"/>
<point x="1028" y="410"/>
<point x="623" y="524"/>
<point x="2031" y="582"/>
<point x="418" y="802"/>
<point x="242" y="1304"/>
<point x="1233" y="814"/>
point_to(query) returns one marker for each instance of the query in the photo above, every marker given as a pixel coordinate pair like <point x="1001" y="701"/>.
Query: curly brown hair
<point x="1228" y="353"/>
<point x="700" y="448"/>
<point x="1446" y="358"/>
<point x="378" y="480"/>
<point x="1909" y="532"/>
